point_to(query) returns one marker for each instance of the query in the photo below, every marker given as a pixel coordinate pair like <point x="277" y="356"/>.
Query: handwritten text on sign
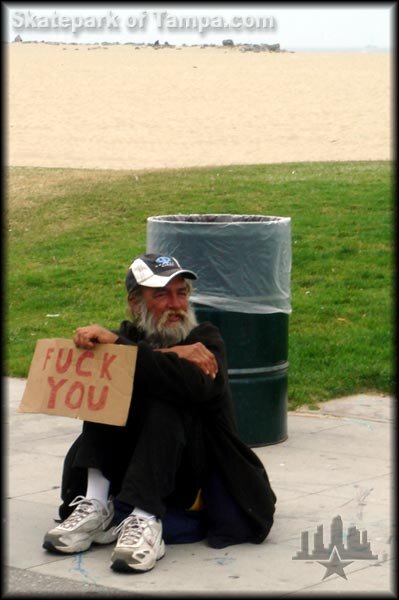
<point x="93" y="385"/>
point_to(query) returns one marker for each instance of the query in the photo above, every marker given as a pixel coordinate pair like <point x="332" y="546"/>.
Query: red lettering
<point x="61" y="368"/>
<point x="81" y="358"/>
<point x="48" y="353"/>
<point x="54" y="389"/>
<point x="77" y="386"/>
<point x="102" y="400"/>
<point x="107" y="360"/>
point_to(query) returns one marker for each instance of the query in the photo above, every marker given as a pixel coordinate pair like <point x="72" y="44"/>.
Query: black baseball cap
<point x="154" y="270"/>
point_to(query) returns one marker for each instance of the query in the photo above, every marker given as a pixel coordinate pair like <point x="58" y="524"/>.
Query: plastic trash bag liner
<point x="243" y="262"/>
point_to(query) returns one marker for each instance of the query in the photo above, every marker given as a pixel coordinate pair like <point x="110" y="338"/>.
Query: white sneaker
<point x="139" y="544"/>
<point x="90" y="522"/>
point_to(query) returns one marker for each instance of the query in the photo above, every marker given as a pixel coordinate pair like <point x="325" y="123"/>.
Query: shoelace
<point x="83" y="508"/>
<point x="132" y="528"/>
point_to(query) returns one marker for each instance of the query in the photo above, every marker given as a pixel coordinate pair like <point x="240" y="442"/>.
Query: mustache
<point x="183" y="314"/>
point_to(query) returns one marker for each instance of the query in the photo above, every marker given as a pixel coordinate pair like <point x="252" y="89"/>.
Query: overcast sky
<point x="294" y="26"/>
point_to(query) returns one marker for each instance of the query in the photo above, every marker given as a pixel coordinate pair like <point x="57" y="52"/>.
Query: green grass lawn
<point x="71" y="235"/>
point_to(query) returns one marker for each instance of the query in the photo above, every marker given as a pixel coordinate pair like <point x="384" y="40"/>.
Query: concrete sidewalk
<point x="337" y="461"/>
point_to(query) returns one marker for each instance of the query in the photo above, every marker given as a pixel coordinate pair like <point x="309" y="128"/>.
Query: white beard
<point x="160" y="335"/>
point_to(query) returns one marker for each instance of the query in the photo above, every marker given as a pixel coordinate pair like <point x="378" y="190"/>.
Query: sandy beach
<point x="127" y="107"/>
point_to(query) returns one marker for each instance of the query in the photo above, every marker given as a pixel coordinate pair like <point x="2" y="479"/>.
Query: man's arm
<point x="90" y="335"/>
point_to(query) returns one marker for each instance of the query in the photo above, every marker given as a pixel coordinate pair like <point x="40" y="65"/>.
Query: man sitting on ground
<point x="177" y="471"/>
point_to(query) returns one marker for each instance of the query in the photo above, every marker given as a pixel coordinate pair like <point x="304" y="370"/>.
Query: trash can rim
<point x="237" y="219"/>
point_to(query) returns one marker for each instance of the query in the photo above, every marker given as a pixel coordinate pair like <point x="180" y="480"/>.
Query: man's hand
<point x="87" y="337"/>
<point x="199" y="355"/>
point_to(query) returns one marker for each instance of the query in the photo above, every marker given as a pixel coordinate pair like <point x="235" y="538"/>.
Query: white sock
<point x="142" y="513"/>
<point x="97" y="486"/>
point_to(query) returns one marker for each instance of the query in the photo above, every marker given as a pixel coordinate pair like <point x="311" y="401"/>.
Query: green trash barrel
<point x="243" y="263"/>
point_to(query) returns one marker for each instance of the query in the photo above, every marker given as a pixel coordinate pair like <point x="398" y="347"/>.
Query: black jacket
<point x="244" y="481"/>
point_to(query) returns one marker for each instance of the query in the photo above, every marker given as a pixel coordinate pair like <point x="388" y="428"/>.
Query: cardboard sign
<point x="92" y="385"/>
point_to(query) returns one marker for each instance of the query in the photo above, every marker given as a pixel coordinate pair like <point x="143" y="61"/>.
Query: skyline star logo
<point x="333" y="557"/>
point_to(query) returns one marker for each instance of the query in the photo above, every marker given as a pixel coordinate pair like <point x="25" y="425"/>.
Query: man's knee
<point x="168" y="416"/>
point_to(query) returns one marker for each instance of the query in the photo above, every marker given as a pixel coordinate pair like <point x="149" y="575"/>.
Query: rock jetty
<point x="226" y="44"/>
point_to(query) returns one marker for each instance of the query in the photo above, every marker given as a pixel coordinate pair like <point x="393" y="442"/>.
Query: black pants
<point x="157" y="459"/>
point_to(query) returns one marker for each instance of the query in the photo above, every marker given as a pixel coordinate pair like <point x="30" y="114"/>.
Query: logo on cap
<point x="164" y="261"/>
